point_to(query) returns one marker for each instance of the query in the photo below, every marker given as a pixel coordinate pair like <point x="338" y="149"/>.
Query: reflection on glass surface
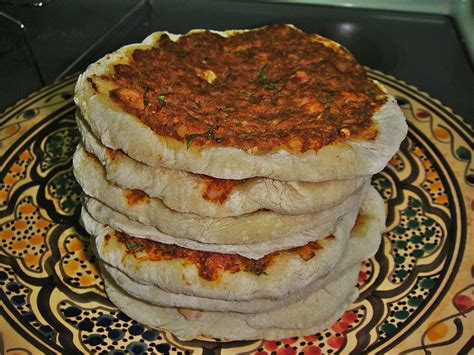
<point x="346" y="28"/>
<point x="32" y="3"/>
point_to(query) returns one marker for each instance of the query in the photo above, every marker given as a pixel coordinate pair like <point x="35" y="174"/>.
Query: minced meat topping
<point x="271" y="88"/>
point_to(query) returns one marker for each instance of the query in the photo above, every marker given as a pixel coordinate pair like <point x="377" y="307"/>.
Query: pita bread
<point x="180" y="276"/>
<point x="312" y="314"/>
<point x="95" y="215"/>
<point x="355" y="157"/>
<point x="254" y="227"/>
<point x="183" y="192"/>
<point x="363" y="243"/>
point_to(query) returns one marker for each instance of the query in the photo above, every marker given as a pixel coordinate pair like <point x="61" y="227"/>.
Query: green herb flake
<point x="262" y="76"/>
<point x="253" y="133"/>
<point x="133" y="246"/>
<point x="210" y="133"/>
<point x="270" y="86"/>
<point x="190" y="139"/>
<point x="145" y="100"/>
<point x="257" y="268"/>
<point x="238" y="124"/>
<point x="219" y="140"/>
<point x="325" y="97"/>
<point x="162" y="99"/>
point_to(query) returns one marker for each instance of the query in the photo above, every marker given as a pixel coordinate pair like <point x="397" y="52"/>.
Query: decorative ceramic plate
<point x="417" y="293"/>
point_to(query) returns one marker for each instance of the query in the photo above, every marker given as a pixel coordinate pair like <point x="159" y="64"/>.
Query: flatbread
<point x="254" y="227"/>
<point x="363" y="243"/>
<point x="95" y="215"/>
<point x="184" y="192"/>
<point x="114" y="127"/>
<point x="180" y="276"/>
<point x="304" y="317"/>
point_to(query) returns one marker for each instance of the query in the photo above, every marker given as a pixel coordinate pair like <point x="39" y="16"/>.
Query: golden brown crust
<point x="275" y="87"/>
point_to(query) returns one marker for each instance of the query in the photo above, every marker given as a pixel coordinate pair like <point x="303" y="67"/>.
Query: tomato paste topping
<point x="217" y="190"/>
<point x="135" y="197"/>
<point x="209" y="264"/>
<point x="261" y="90"/>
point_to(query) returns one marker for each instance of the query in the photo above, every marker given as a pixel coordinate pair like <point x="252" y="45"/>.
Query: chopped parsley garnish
<point x="209" y="134"/>
<point x="145" y="100"/>
<point x="191" y="138"/>
<point x="262" y="76"/>
<point x="257" y="268"/>
<point x="325" y="97"/>
<point x="270" y="86"/>
<point x="162" y="99"/>
<point x="133" y="246"/>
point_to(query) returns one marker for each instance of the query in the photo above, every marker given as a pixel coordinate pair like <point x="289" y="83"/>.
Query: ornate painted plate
<point x="417" y="293"/>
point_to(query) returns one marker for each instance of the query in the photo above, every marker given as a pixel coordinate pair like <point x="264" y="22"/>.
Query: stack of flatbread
<point x="226" y="179"/>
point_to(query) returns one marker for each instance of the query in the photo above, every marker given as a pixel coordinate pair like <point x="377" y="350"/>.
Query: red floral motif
<point x="311" y="338"/>
<point x="343" y="324"/>
<point x="289" y="340"/>
<point x="349" y="317"/>
<point x="311" y="350"/>
<point x="270" y="345"/>
<point x="422" y="114"/>
<point x="286" y="351"/>
<point x="336" y="342"/>
<point x="340" y="327"/>
<point x="362" y="276"/>
<point x="463" y="302"/>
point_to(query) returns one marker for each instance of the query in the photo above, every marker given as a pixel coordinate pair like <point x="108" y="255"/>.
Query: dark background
<point x="424" y="50"/>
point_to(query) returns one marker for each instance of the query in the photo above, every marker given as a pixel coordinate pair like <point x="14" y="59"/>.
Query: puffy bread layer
<point x="95" y="215"/>
<point x="183" y="192"/>
<point x="326" y="306"/>
<point x="355" y="157"/>
<point x="180" y="276"/>
<point x="254" y="227"/>
<point x="362" y="244"/>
